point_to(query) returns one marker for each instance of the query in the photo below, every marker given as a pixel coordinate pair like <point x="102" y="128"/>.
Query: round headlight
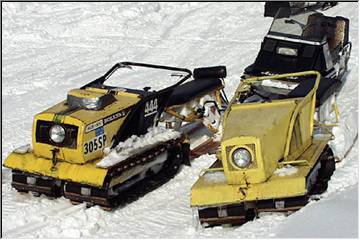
<point x="241" y="157"/>
<point x="57" y="133"/>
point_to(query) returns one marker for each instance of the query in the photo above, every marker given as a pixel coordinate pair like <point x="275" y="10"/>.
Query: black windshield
<point x="306" y="26"/>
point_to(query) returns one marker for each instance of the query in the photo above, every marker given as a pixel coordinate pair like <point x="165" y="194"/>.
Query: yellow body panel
<point x="207" y="192"/>
<point x="87" y="173"/>
<point x="281" y="129"/>
<point x="82" y="173"/>
<point x="44" y="150"/>
<point x="254" y="119"/>
<point x="267" y="125"/>
<point x="84" y="118"/>
<point x="123" y="100"/>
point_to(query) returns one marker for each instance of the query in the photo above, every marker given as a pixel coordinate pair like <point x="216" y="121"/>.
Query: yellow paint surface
<point x="82" y="118"/>
<point x="81" y="173"/>
<point x="207" y="193"/>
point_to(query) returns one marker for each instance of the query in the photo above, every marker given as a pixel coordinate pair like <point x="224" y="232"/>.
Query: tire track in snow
<point x="33" y="225"/>
<point x="166" y="33"/>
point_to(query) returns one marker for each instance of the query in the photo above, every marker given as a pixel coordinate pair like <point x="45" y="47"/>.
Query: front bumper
<point x="29" y="163"/>
<point x="209" y="191"/>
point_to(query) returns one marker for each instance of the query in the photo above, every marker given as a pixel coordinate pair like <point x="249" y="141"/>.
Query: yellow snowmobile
<point x="105" y="144"/>
<point x="272" y="158"/>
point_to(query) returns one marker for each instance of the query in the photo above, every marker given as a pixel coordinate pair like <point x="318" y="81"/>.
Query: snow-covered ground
<point x="50" y="48"/>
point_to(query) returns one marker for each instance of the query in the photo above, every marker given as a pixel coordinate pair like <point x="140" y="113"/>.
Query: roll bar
<point x="119" y="65"/>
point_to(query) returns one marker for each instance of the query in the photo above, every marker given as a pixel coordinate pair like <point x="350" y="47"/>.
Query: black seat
<point x="193" y="89"/>
<point x="327" y="87"/>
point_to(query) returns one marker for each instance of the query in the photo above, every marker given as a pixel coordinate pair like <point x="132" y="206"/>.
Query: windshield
<point x="139" y="78"/>
<point x="303" y="26"/>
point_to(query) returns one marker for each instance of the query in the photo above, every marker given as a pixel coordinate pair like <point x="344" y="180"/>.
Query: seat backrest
<point x="193" y="89"/>
<point x="338" y="37"/>
<point x="319" y="26"/>
<point x="315" y="27"/>
<point x="209" y="72"/>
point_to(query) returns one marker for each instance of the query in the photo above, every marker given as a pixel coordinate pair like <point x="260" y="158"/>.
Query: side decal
<point x="94" y="125"/>
<point x="106" y="120"/>
<point x="151" y="107"/>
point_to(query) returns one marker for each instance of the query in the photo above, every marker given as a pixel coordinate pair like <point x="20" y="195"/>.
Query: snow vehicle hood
<point x="89" y="118"/>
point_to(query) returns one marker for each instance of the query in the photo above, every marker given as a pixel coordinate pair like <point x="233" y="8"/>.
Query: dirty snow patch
<point x="286" y="171"/>
<point x="136" y="145"/>
<point x="279" y="84"/>
<point x="23" y="149"/>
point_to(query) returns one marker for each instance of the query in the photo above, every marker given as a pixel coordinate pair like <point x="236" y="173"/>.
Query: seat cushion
<point x="327" y="87"/>
<point x="190" y="90"/>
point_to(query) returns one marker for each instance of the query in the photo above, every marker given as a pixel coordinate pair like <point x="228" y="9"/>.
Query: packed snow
<point x="279" y="84"/>
<point x="50" y="48"/>
<point x="286" y="170"/>
<point x="328" y="214"/>
<point x="137" y="145"/>
<point x="23" y="149"/>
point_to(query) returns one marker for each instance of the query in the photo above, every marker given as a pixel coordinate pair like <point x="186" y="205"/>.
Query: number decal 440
<point x="95" y="144"/>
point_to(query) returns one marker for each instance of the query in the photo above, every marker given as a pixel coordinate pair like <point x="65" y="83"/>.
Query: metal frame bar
<point x="119" y="65"/>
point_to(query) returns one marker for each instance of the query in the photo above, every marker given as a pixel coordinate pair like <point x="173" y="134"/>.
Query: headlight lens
<point x="241" y="157"/>
<point x="57" y="133"/>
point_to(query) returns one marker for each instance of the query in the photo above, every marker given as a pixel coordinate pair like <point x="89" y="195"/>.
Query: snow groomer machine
<point x="274" y="152"/>
<point x="104" y="144"/>
<point x="271" y="159"/>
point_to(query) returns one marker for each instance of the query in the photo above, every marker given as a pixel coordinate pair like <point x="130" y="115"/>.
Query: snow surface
<point x="136" y="145"/>
<point x="50" y="48"/>
<point x="328" y="214"/>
